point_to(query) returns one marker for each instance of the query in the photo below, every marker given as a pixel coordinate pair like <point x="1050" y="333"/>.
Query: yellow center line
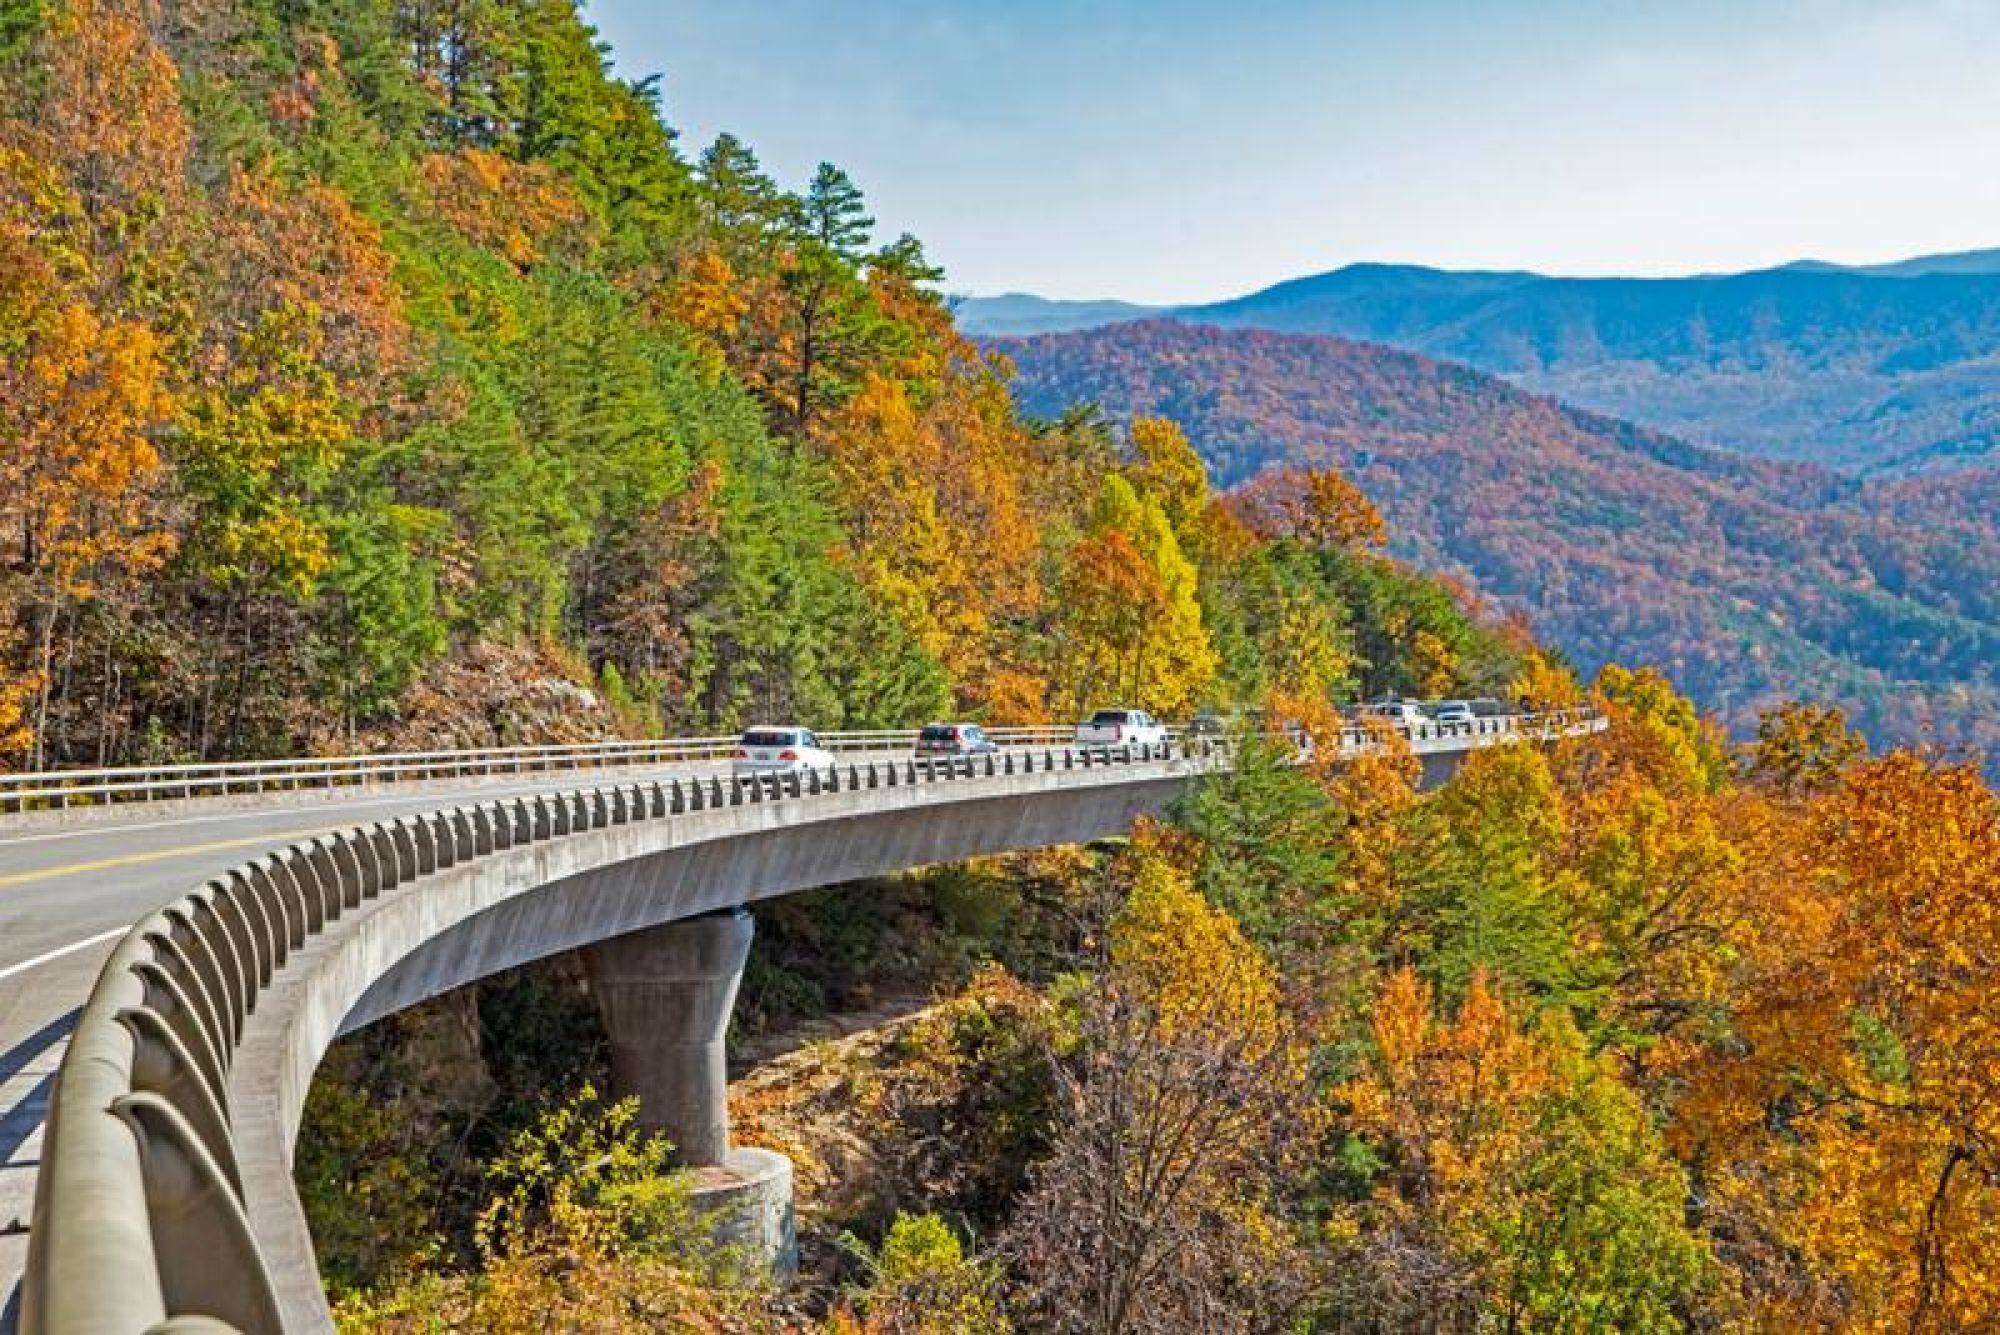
<point x="159" y="855"/>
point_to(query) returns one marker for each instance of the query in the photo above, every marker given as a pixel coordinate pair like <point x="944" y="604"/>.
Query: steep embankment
<point x="1748" y="580"/>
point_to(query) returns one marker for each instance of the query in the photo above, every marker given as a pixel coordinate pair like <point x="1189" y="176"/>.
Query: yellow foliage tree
<point x="1165" y="656"/>
<point x="1166" y="468"/>
<point x="1849" y="1113"/>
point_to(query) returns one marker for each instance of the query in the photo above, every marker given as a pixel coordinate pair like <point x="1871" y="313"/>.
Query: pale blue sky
<point x="1173" y="150"/>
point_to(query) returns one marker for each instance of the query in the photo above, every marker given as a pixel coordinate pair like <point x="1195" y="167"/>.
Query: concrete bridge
<point x="330" y="893"/>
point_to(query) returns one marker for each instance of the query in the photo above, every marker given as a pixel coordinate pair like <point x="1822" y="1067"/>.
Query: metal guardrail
<point x="63" y="789"/>
<point x="140" y="1222"/>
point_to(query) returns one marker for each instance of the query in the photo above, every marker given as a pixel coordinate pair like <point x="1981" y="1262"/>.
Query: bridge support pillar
<point x="1439" y="767"/>
<point x="665" y="994"/>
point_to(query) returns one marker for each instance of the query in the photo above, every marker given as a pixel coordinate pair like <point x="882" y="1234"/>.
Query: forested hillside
<point x="1886" y="369"/>
<point x="356" y="359"/>
<point x="1749" y="581"/>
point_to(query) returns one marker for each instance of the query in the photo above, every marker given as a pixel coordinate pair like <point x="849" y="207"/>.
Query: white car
<point x="1399" y="713"/>
<point x="778" y="750"/>
<point x="1121" y="727"/>
<point x="1455" y="714"/>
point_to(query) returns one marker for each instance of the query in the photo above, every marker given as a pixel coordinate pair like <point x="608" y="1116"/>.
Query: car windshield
<point x="769" y="737"/>
<point x="1110" y="716"/>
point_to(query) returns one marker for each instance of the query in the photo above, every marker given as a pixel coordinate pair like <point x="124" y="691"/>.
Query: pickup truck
<point x="1121" y="727"/>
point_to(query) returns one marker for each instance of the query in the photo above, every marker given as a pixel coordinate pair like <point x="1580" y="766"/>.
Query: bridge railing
<point x="55" y="789"/>
<point x="62" y="789"/>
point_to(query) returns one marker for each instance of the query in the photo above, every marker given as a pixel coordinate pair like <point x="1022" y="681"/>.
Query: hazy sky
<point x="1171" y="150"/>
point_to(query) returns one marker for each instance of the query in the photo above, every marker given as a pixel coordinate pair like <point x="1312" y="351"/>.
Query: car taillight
<point x="742" y="754"/>
<point x="1118" y="733"/>
<point x="788" y="754"/>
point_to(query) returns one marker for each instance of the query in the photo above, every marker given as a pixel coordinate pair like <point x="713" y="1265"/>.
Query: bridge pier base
<point x="666" y="994"/>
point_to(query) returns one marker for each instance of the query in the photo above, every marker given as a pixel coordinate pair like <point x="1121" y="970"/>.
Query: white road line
<point x="61" y="951"/>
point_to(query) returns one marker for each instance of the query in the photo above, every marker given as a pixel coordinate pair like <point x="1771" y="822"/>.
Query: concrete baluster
<point x="209" y="972"/>
<point x="234" y="917"/>
<point x="409" y="859"/>
<point x="348" y="869"/>
<point x="170" y="1001"/>
<point x="264" y="933"/>
<point x="200" y="992"/>
<point x="297" y="890"/>
<point x="206" y="1257"/>
<point x="162" y="1064"/>
<point x="380" y="859"/>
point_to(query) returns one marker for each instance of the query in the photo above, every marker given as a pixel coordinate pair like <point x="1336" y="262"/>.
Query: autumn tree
<point x="1315" y="506"/>
<point x="1802" y="748"/>
<point x="1166" y="468"/>
<point x="1507" y="1179"/>
<point x="78" y="471"/>
<point x="1141" y="633"/>
<point x="1159" y="1208"/>
<point x="1843" y="1119"/>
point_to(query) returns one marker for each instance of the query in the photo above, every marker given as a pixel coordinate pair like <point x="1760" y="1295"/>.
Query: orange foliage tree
<point x="1317" y="506"/>
<point x="1847" y="1115"/>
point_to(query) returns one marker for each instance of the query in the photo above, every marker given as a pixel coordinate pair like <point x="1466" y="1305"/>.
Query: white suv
<point x="1400" y="713"/>
<point x="779" y="750"/>
<point x="1121" y="727"/>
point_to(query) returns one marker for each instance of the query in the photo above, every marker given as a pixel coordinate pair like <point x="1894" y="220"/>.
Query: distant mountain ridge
<point x="1890" y="368"/>
<point x="1749" y="580"/>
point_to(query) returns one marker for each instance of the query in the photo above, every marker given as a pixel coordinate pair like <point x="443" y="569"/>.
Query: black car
<point x="954" y="739"/>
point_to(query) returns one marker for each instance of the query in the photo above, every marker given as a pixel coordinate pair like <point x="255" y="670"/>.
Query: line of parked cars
<point x="1436" y="713"/>
<point x="791" y="749"/>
